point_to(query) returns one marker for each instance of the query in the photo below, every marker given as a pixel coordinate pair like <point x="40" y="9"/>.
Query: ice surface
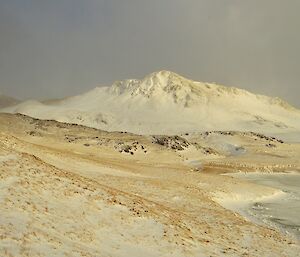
<point x="282" y="211"/>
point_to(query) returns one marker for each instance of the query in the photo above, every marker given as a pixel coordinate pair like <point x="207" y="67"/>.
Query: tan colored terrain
<point x="69" y="190"/>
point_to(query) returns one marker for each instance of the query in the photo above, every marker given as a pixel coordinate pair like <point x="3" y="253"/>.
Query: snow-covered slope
<point x="167" y="103"/>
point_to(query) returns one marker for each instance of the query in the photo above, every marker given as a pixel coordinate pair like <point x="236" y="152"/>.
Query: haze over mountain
<point x="53" y="49"/>
<point x="167" y="103"/>
<point x="7" y="101"/>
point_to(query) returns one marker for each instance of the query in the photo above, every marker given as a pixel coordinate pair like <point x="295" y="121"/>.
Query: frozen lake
<point x="282" y="212"/>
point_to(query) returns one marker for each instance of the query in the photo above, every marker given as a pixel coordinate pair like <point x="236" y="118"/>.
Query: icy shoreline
<point x="277" y="208"/>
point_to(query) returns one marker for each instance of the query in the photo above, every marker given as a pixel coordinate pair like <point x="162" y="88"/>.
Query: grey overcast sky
<point x="55" y="48"/>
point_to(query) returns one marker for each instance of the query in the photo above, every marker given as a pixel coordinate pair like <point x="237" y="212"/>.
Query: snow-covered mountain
<point x="167" y="103"/>
<point x="7" y="101"/>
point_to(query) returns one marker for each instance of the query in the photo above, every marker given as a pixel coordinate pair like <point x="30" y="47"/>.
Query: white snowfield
<point x="167" y="103"/>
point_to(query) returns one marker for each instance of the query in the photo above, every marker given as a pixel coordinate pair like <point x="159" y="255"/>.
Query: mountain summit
<point x="166" y="103"/>
<point x="158" y="85"/>
<point x="183" y="91"/>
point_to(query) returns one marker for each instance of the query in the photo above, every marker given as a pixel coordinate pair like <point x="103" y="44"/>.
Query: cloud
<point x="62" y="47"/>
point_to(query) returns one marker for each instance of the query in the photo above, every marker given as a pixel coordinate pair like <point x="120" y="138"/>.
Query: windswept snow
<point x="167" y="103"/>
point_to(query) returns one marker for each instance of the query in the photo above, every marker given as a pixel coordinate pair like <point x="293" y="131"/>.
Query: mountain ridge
<point x="166" y="103"/>
<point x="175" y="84"/>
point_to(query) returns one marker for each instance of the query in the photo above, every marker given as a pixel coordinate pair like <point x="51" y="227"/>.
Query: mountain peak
<point x="164" y="74"/>
<point x="163" y="77"/>
<point x="161" y="73"/>
<point x="156" y="83"/>
<point x="163" y="85"/>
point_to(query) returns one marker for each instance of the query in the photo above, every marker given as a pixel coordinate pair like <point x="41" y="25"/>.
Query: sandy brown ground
<point x="68" y="190"/>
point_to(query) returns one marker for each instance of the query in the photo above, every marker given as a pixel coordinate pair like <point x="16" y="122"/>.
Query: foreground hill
<point x="167" y="103"/>
<point x="70" y="190"/>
